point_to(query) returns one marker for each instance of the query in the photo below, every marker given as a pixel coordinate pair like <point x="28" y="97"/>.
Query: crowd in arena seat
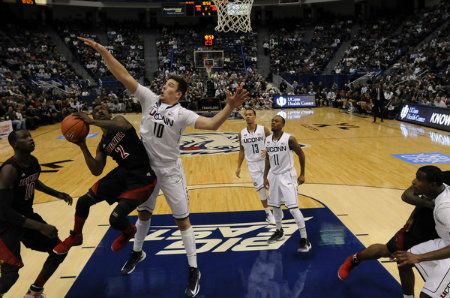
<point x="38" y="86"/>
<point x="69" y="30"/>
<point x="36" y="82"/>
<point x="379" y="43"/>
<point x="126" y="43"/>
<point x="291" y="52"/>
<point x="176" y="48"/>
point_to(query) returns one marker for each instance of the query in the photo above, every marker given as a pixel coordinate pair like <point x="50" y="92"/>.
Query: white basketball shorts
<point x="435" y="273"/>
<point x="172" y="182"/>
<point x="256" y="170"/>
<point x="282" y="190"/>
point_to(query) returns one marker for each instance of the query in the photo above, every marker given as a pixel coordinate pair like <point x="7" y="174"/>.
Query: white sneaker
<point x="270" y="219"/>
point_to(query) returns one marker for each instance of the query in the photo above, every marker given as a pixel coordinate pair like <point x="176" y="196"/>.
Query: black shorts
<point x="11" y="236"/>
<point x="124" y="184"/>
<point x="420" y="229"/>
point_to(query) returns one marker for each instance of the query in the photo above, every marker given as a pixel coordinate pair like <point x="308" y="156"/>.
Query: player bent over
<point x="129" y="184"/>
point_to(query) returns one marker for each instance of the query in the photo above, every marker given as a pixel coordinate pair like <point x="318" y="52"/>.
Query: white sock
<point x="278" y="214"/>
<point x="142" y="227"/>
<point x="262" y="194"/>
<point x="408" y="296"/>
<point x="189" y="246"/>
<point x="300" y="221"/>
<point x="268" y="211"/>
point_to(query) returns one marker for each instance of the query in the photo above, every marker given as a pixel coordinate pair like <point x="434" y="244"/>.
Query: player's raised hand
<point x="83" y="116"/>
<point x="49" y="231"/>
<point x="404" y="258"/>
<point x="93" y="44"/>
<point x="238" y="98"/>
<point x="238" y="172"/>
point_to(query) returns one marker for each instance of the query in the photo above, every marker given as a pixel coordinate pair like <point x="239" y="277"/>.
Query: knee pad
<point x="118" y="218"/>
<point x="9" y="276"/>
<point x="84" y="203"/>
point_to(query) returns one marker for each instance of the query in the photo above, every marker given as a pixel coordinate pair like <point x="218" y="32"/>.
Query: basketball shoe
<point x="278" y="235"/>
<point x="35" y="292"/>
<point x="130" y="265"/>
<point x="193" y="286"/>
<point x="305" y="245"/>
<point x="73" y="240"/>
<point x="122" y="240"/>
<point x="346" y="267"/>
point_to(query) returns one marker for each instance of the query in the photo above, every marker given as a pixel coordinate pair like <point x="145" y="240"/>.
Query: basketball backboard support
<point x="214" y="57"/>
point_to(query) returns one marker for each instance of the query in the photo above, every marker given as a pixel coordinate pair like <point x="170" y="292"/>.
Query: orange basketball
<point x="74" y="129"/>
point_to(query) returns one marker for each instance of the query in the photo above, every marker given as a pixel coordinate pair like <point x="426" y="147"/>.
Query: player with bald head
<point x="281" y="178"/>
<point x="19" y="177"/>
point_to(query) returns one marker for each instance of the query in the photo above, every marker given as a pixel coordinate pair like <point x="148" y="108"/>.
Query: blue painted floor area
<point x="236" y="261"/>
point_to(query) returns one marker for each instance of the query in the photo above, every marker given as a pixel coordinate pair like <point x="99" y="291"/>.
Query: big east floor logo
<point x="209" y="143"/>
<point x="220" y="238"/>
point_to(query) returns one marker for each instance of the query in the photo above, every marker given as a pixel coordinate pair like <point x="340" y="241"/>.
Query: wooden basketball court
<point x="349" y="169"/>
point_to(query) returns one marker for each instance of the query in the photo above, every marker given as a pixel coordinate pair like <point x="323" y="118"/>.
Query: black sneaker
<point x="193" y="286"/>
<point x="278" y="235"/>
<point x="130" y="265"/>
<point x="305" y="245"/>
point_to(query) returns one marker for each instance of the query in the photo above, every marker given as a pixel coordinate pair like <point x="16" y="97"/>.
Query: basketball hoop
<point x="233" y="16"/>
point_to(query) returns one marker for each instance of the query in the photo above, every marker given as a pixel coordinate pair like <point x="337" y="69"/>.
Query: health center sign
<point x="426" y="115"/>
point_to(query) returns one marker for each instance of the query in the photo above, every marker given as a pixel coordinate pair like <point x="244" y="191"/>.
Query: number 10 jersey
<point x="162" y="126"/>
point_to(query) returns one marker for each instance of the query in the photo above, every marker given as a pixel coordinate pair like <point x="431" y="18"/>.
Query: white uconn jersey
<point x="442" y="214"/>
<point x="162" y="126"/>
<point x="253" y="143"/>
<point x="280" y="156"/>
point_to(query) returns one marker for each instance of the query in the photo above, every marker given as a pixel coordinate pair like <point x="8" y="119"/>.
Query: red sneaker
<point x="346" y="268"/>
<point x="122" y="240"/>
<point x="64" y="247"/>
<point x="33" y="294"/>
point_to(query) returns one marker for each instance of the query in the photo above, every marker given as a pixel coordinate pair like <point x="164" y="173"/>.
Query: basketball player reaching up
<point x="129" y="184"/>
<point x="163" y="122"/>
<point x="18" y="222"/>
<point x="253" y="147"/>
<point x="281" y="178"/>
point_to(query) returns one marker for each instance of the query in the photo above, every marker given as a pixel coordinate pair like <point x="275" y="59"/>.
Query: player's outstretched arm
<point x="295" y="146"/>
<point x="117" y="123"/>
<point x="114" y="66"/>
<point x="233" y="101"/>
<point x="53" y="192"/>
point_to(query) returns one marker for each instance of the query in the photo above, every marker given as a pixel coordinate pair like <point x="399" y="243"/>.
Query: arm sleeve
<point x="7" y="213"/>
<point x="190" y="118"/>
<point x="145" y="96"/>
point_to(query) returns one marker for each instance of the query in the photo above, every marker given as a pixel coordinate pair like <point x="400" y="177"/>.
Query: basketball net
<point x="233" y="16"/>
